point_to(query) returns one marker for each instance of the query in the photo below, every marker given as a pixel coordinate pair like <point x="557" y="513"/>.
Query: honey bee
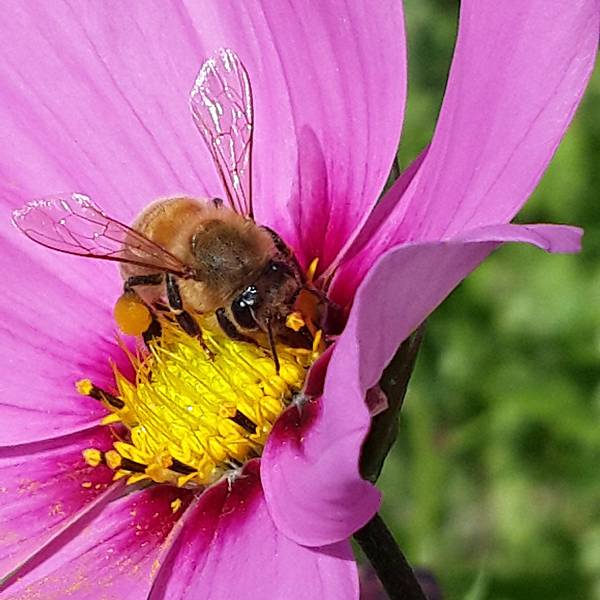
<point x="189" y="255"/>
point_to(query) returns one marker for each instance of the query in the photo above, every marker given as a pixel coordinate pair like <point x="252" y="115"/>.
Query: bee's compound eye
<point x="248" y="297"/>
<point x="132" y="315"/>
<point x="241" y="308"/>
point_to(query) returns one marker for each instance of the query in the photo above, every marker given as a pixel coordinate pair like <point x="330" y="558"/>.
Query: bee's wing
<point x="221" y="104"/>
<point x="77" y="226"/>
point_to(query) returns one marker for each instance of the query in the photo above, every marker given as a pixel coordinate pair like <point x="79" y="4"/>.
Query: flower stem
<point x="384" y="427"/>
<point x="375" y="538"/>
<point x="391" y="566"/>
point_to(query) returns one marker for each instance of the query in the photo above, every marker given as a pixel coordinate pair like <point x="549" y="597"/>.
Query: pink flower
<point x="94" y="99"/>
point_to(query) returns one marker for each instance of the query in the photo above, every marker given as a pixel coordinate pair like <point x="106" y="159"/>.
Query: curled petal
<point x="377" y="219"/>
<point x="548" y="237"/>
<point x="310" y="465"/>
<point x="228" y="547"/>
<point x="559" y="239"/>
<point x="518" y="74"/>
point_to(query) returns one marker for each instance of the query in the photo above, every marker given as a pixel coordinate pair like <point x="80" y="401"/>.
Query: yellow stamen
<point x="318" y="343"/>
<point x="306" y="304"/>
<point x="295" y="321"/>
<point x="84" y="387"/>
<point x="191" y="418"/>
<point x="312" y="269"/>
<point x="113" y="459"/>
<point x="110" y="418"/>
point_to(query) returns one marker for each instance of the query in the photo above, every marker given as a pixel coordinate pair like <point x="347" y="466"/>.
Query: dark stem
<point x="384" y="427"/>
<point x="391" y="566"/>
<point x="375" y="538"/>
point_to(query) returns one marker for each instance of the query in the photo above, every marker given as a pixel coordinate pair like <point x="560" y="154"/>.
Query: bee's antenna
<point x="272" y="345"/>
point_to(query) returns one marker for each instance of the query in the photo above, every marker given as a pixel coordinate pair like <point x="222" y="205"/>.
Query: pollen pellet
<point x="131" y="315"/>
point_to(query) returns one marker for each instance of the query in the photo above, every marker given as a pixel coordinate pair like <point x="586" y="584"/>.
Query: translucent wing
<point x="78" y="226"/>
<point x="221" y="104"/>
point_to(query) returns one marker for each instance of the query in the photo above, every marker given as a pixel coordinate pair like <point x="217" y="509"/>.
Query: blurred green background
<point x="495" y="476"/>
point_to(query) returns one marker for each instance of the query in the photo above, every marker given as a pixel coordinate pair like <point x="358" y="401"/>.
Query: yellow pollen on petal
<point x="92" y="457"/>
<point x="192" y="416"/>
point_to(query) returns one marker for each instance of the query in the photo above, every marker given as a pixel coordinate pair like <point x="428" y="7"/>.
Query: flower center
<point x="191" y="416"/>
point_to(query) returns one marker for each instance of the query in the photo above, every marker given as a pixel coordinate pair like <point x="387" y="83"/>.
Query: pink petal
<point x="97" y="102"/>
<point x="41" y="492"/>
<point x="228" y="547"/>
<point x="310" y="465"/>
<point x="94" y="100"/>
<point x="329" y="86"/>
<point x="519" y="72"/>
<point x="377" y="219"/>
<point x="112" y="556"/>
<point x="57" y="328"/>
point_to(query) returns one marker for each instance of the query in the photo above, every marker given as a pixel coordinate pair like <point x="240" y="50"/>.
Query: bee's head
<point x="268" y="298"/>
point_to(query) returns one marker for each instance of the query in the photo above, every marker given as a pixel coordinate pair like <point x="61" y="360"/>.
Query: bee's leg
<point x="272" y="345"/>
<point x="185" y="320"/>
<point x="154" y="331"/>
<point x="161" y="307"/>
<point x="333" y="318"/>
<point x="140" y="280"/>
<point x="230" y="329"/>
<point x="183" y="317"/>
<point x="217" y="202"/>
